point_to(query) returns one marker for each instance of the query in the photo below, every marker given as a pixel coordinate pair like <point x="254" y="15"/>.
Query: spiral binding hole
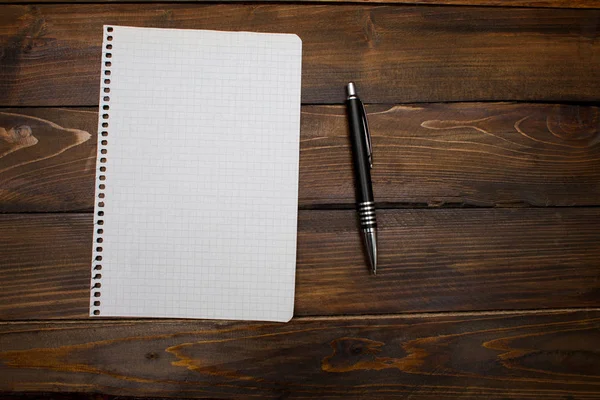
<point x="103" y="132"/>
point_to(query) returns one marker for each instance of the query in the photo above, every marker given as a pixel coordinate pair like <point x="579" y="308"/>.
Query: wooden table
<point x="486" y="173"/>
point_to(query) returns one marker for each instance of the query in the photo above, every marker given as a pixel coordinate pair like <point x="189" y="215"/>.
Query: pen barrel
<point x="362" y="170"/>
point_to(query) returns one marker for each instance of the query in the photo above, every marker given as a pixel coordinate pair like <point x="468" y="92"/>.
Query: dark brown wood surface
<point x="497" y="356"/>
<point x="488" y="3"/>
<point x="396" y="54"/>
<point x="489" y="214"/>
<point x="475" y="154"/>
<point x="431" y="260"/>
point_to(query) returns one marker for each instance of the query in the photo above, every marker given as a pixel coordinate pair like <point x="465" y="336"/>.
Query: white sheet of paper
<point x="196" y="216"/>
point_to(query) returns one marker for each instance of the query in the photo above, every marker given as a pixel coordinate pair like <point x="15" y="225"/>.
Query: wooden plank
<point x="478" y="3"/>
<point x="58" y="396"/>
<point x="436" y="154"/>
<point x="75" y="396"/>
<point x="51" y="53"/>
<point x="430" y="260"/>
<point x="499" y="3"/>
<point x="473" y="154"/>
<point x="497" y="356"/>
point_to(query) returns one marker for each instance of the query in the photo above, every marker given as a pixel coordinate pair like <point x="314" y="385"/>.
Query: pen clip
<point x="367" y="135"/>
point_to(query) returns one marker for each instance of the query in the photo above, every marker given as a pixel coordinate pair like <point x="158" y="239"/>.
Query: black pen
<point x="363" y="162"/>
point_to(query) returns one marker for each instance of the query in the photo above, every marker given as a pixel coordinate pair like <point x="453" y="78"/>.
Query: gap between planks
<point x="93" y="108"/>
<point x="422" y="315"/>
<point x="379" y="207"/>
<point x="558" y="4"/>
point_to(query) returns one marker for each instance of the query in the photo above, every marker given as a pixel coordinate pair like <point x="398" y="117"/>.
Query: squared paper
<point x="196" y="211"/>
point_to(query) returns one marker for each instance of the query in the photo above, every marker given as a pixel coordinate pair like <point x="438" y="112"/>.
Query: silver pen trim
<point x="370" y="238"/>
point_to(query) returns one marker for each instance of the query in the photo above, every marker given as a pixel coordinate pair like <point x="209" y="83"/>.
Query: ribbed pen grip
<point x="366" y="214"/>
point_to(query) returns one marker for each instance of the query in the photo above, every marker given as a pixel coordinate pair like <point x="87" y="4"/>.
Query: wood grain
<point x="430" y="260"/>
<point x="474" y="154"/>
<point x="51" y="53"/>
<point x="75" y="396"/>
<point x="51" y="165"/>
<point x="499" y="3"/>
<point x="509" y="356"/>
<point x="62" y="396"/>
<point x="478" y="3"/>
<point x="490" y="154"/>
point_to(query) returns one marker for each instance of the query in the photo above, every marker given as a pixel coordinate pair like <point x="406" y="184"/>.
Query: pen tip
<point x="370" y="238"/>
<point x="374" y="264"/>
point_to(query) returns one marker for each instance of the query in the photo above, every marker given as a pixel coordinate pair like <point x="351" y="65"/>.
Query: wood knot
<point x="165" y="18"/>
<point x="16" y="138"/>
<point x="152" y="356"/>
<point x="370" y="31"/>
<point x="576" y="124"/>
<point x="351" y="354"/>
<point x="16" y="134"/>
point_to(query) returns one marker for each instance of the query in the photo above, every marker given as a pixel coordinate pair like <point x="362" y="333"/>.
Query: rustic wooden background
<point x="486" y="138"/>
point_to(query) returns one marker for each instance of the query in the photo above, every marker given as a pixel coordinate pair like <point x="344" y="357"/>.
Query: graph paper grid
<point x="197" y="175"/>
